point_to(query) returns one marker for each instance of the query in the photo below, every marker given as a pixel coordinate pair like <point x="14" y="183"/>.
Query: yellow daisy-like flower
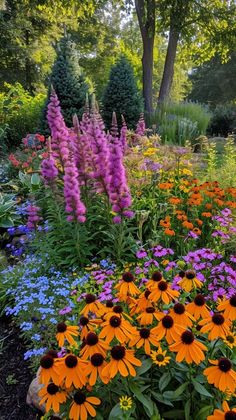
<point x="125" y="402"/>
<point x="230" y="340"/>
<point x="159" y="357"/>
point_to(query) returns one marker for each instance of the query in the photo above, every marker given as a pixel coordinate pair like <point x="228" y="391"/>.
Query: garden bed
<point x="15" y="375"/>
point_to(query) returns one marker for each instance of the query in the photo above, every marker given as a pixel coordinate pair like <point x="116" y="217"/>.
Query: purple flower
<point x="65" y="310"/>
<point x="141" y="253"/>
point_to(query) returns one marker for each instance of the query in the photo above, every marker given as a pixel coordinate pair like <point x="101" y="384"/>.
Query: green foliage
<point x="121" y="95"/>
<point x="223" y="121"/>
<point x="214" y="82"/>
<point x="19" y="114"/>
<point x="178" y="122"/>
<point x="68" y="81"/>
<point x="7" y="210"/>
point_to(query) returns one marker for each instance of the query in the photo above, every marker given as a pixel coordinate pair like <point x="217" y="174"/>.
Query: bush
<point x="68" y="81"/>
<point x="19" y="114"/>
<point x="180" y="122"/>
<point x="121" y="95"/>
<point x="223" y="121"/>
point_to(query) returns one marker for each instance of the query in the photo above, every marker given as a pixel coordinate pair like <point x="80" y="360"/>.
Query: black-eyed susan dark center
<point x="190" y="274"/>
<point x="89" y="298"/>
<point x="61" y="327"/>
<point x="232" y="301"/>
<point x="128" y="277"/>
<point x="118" y="309"/>
<point x="199" y="300"/>
<point x="167" y="321"/>
<point x="182" y="274"/>
<point x="160" y="357"/>
<point x="150" y="310"/>
<point x="52" y="389"/>
<point x="187" y="337"/>
<point x="224" y="364"/>
<point x="83" y="321"/>
<point x="162" y="285"/>
<point x="218" y="319"/>
<point x="91" y="339"/>
<point x="115" y="321"/>
<point x="52" y="353"/>
<point x="230" y="338"/>
<point x="97" y="359"/>
<point x="179" y="308"/>
<point x="156" y="276"/>
<point x="147" y="293"/>
<point x="46" y="362"/>
<point x="118" y="352"/>
<point x="71" y="361"/>
<point x="109" y="304"/>
<point x="79" y="398"/>
<point x="230" y="415"/>
<point x="144" y="333"/>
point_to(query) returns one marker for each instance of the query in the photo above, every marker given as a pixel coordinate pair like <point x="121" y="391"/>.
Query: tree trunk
<point x="168" y="73"/>
<point x="28" y="78"/>
<point x="146" y="17"/>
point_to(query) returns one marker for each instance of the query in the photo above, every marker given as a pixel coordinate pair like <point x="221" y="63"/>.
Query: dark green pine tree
<point x="68" y="81"/>
<point x="121" y="95"/>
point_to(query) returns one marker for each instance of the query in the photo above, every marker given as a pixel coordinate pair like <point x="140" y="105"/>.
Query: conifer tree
<point x="121" y="95"/>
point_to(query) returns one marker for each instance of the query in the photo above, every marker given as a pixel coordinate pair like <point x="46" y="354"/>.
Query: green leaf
<point x="146" y="401"/>
<point x="179" y="391"/>
<point x="35" y="179"/>
<point x="174" y="414"/>
<point x="6" y="223"/>
<point x="164" y="381"/>
<point x="187" y="408"/>
<point x="116" y="413"/>
<point x="204" y="412"/>
<point x="201" y="389"/>
<point x="146" y="365"/>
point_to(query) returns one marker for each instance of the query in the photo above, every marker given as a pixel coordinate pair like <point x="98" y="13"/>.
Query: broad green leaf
<point x="179" y="391"/>
<point x="116" y="413"/>
<point x="201" y="389"/>
<point x="204" y="412"/>
<point x="174" y="414"/>
<point x="187" y="408"/>
<point x="164" y="381"/>
<point x="146" y="365"/>
<point x="35" y="179"/>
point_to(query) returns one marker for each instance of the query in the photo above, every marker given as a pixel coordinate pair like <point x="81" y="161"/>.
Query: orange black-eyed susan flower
<point x="221" y="375"/>
<point x="206" y="214"/>
<point x="188" y="348"/>
<point x="94" y="369"/>
<point x="226" y="414"/>
<point x="148" y="316"/>
<point x="181" y="316"/>
<point x="52" y="397"/>
<point x="187" y="225"/>
<point x="199" y="222"/>
<point x="163" y="292"/>
<point x="230" y="340"/>
<point x="198" y="307"/>
<point x="66" y="332"/>
<point x="82" y="405"/>
<point x="116" y="327"/>
<point x="140" y="304"/>
<point x="92" y="344"/>
<point x="189" y="281"/>
<point x="155" y="278"/>
<point x="127" y="286"/>
<point x="122" y="361"/>
<point x="117" y="310"/>
<point x="71" y="371"/>
<point x="92" y="305"/>
<point x="159" y="357"/>
<point x="217" y="326"/>
<point x="229" y="308"/>
<point x="49" y="369"/>
<point x="87" y="325"/>
<point x="166" y="185"/>
<point x="169" y="232"/>
<point x="165" y="222"/>
<point x="168" y="328"/>
<point x="144" y="338"/>
<point x="175" y="200"/>
<point x="196" y="231"/>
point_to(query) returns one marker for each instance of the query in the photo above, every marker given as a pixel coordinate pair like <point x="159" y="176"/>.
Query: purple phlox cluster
<point x="33" y="216"/>
<point x="140" y="129"/>
<point x="150" y="165"/>
<point x="49" y="170"/>
<point x="123" y="135"/>
<point x="225" y="229"/>
<point x="119" y="193"/>
<point x="65" y="310"/>
<point x="159" y="251"/>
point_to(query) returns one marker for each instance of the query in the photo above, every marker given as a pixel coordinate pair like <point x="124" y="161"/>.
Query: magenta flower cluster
<point x="33" y="217"/>
<point x="90" y="158"/>
<point x="140" y="129"/>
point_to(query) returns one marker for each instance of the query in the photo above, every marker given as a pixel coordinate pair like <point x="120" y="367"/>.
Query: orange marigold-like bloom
<point x="65" y="332"/>
<point x="196" y="231"/>
<point x="163" y="292"/>
<point x="165" y="223"/>
<point x="198" y="307"/>
<point x="229" y="308"/>
<point x="166" y="185"/>
<point x="187" y="224"/>
<point x="206" y="214"/>
<point x="175" y="200"/>
<point x="216" y="326"/>
<point x="52" y="397"/>
<point x="93" y="344"/>
<point x="226" y="414"/>
<point x="122" y="361"/>
<point x="168" y="328"/>
<point x="71" y="371"/>
<point x="221" y="375"/>
<point x="199" y="222"/>
<point x="82" y="406"/>
<point x="144" y="338"/>
<point x="169" y="232"/>
<point x="127" y="286"/>
<point x="188" y="348"/>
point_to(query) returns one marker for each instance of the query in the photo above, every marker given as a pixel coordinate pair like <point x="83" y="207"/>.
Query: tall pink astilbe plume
<point x="63" y="145"/>
<point x="123" y="135"/>
<point x="119" y="193"/>
<point x="140" y="129"/>
<point x="84" y="151"/>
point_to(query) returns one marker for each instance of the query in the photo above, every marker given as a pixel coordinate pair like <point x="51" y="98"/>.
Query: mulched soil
<point x="13" y="395"/>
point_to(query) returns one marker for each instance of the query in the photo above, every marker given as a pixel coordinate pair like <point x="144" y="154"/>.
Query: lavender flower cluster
<point x="88" y="156"/>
